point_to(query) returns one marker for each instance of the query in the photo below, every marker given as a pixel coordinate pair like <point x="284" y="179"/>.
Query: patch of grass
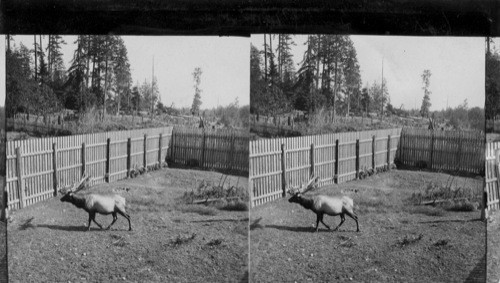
<point x="118" y="241"/>
<point x="199" y="209"/>
<point x="440" y="193"/>
<point x="464" y="205"/>
<point x="409" y="239"/>
<point x="427" y="210"/>
<point x="234" y="205"/>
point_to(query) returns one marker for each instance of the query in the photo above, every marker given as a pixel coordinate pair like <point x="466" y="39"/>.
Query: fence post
<point x="108" y="154"/>
<point x="357" y="159"/>
<point x="233" y="151"/>
<point x="336" y="176"/>
<point x="54" y="164"/>
<point x="159" y="149"/>
<point x="129" y="156"/>
<point x="84" y="165"/>
<point x="202" y="163"/>
<point x="432" y="150"/>
<point x="145" y="160"/>
<point x="389" y="152"/>
<point x="20" y="180"/>
<point x="373" y="152"/>
<point x="283" y="169"/>
<point x="459" y="153"/>
<point x="311" y="170"/>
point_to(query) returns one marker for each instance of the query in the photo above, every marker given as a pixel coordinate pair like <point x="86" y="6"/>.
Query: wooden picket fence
<point x="42" y="166"/>
<point x="492" y="188"/>
<point x="278" y="163"/>
<point x="225" y="150"/>
<point x="453" y="151"/>
<point x="37" y="168"/>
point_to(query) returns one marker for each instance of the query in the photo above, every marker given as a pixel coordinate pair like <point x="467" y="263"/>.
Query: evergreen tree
<point x="195" y="107"/>
<point x="426" y="102"/>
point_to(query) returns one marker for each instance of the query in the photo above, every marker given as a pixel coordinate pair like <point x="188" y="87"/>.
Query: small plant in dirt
<point x="221" y="196"/>
<point x="199" y="209"/>
<point x="427" y="210"/>
<point x="215" y="242"/>
<point x="453" y="198"/>
<point x="442" y="242"/>
<point x="409" y="239"/>
<point x="182" y="239"/>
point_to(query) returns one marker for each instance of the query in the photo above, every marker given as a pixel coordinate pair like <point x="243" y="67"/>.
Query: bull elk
<point x="321" y="205"/>
<point x="96" y="203"/>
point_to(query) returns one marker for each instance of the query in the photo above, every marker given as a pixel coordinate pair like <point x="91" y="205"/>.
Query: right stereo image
<point x="492" y="169"/>
<point x="367" y="158"/>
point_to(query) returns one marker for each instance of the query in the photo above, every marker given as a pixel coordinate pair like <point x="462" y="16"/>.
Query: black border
<point x="233" y="17"/>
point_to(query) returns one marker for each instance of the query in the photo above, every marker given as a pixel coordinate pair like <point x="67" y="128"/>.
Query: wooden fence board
<point x="492" y="187"/>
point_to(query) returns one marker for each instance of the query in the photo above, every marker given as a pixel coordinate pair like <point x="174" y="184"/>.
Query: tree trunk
<point x="87" y="65"/>
<point x="271" y="57"/>
<point x="36" y="58"/>
<point x="49" y="62"/>
<point x="105" y="83"/>
<point x="265" y="59"/>
<point x="279" y="56"/>
<point x="317" y="60"/>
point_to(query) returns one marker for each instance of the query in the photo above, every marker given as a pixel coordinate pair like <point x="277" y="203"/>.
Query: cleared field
<point x="398" y="242"/>
<point x="170" y="241"/>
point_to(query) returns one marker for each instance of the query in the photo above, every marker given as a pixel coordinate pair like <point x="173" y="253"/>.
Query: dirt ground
<point x="493" y="258"/>
<point x="170" y="241"/>
<point x="398" y="242"/>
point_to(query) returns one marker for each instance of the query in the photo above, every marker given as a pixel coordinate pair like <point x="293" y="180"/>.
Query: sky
<point x="224" y="62"/>
<point x="456" y="64"/>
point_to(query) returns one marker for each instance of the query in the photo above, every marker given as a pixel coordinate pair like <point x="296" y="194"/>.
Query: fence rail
<point x="457" y="151"/>
<point x="492" y="188"/>
<point x="334" y="158"/>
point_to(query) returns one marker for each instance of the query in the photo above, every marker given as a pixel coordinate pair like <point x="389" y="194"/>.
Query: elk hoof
<point x="130" y="229"/>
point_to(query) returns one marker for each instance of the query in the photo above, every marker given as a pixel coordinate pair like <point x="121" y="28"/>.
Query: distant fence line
<point x="492" y="188"/>
<point x="212" y="149"/>
<point x="37" y="168"/>
<point x="334" y="158"/>
<point x="453" y="151"/>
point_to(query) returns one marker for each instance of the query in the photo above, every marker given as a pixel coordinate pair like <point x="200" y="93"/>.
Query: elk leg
<point x="318" y="218"/>
<point x="92" y="216"/>
<point x="355" y="217"/>
<point x="342" y="219"/>
<point x="321" y="219"/>
<point x="122" y="213"/>
<point x="114" y="220"/>
<point x="90" y="221"/>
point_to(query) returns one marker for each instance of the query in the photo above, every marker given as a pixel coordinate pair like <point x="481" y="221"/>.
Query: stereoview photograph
<point x="366" y="158"/>
<point x="127" y="158"/>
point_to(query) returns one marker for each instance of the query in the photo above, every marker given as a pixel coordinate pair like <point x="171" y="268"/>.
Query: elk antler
<point x="81" y="184"/>
<point x="305" y="187"/>
<point x="77" y="186"/>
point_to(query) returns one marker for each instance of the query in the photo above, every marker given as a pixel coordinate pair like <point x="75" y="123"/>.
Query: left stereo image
<point x="126" y="158"/>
